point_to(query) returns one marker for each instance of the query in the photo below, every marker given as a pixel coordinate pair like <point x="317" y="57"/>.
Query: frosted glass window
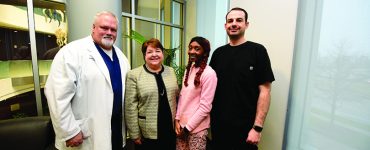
<point x="330" y="94"/>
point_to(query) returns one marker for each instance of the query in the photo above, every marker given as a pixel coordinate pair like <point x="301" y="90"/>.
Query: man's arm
<point x="60" y="89"/>
<point x="263" y="103"/>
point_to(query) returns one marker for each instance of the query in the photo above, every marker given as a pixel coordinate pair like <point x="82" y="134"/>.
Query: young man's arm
<point x="263" y="105"/>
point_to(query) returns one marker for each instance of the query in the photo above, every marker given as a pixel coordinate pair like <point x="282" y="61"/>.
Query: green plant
<point x="169" y="56"/>
<point x="179" y="70"/>
<point x="136" y="36"/>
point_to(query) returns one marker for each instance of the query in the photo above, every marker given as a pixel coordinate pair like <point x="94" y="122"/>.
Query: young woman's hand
<point x="177" y="127"/>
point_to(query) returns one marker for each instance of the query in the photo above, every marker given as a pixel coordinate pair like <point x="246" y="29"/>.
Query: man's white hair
<point x="96" y="17"/>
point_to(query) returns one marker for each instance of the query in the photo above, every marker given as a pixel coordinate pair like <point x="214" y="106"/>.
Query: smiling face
<point x="236" y="24"/>
<point x="153" y="57"/>
<point x="195" y="52"/>
<point x="104" y="31"/>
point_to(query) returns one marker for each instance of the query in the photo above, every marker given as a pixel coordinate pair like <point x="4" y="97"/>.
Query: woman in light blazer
<point x="150" y="101"/>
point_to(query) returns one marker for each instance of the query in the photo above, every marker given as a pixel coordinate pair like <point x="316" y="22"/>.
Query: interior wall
<point x="81" y="17"/>
<point x="273" y="23"/>
<point x="209" y="26"/>
<point x="190" y="21"/>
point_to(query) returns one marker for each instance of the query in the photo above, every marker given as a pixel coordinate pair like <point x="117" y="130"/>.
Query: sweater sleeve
<point x="208" y="83"/>
<point x="131" y="106"/>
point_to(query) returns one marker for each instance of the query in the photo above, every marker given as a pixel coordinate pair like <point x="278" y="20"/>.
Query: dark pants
<point x="230" y="137"/>
<point x="150" y="144"/>
<point x="234" y="146"/>
<point x="117" y="142"/>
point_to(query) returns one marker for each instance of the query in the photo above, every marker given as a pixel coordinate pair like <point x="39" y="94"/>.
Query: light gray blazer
<point x="141" y="101"/>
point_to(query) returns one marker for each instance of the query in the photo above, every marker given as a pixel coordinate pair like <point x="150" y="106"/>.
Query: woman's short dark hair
<point x="151" y="42"/>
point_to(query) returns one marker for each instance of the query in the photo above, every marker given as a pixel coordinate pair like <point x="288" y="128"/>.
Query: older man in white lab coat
<point x="85" y="90"/>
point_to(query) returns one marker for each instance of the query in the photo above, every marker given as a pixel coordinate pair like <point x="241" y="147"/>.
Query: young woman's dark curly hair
<point x="202" y="63"/>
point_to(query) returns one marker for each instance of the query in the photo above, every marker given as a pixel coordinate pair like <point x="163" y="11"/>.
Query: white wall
<point x="272" y="23"/>
<point x="81" y="17"/>
<point x="190" y="23"/>
<point x="210" y="21"/>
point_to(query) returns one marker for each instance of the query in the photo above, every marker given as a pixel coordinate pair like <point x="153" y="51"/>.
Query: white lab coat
<point x="80" y="95"/>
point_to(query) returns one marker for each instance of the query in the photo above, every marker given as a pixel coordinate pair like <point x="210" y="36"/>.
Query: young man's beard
<point x="236" y="36"/>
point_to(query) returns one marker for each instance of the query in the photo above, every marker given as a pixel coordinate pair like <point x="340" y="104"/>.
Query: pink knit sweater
<point x="195" y="103"/>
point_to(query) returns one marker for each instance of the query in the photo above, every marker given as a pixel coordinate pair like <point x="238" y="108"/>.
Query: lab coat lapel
<point x="94" y="53"/>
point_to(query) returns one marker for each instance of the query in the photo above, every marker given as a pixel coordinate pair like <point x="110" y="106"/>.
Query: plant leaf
<point x="136" y="36"/>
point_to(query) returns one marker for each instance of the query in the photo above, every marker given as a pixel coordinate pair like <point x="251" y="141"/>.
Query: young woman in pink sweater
<point x="196" y="96"/>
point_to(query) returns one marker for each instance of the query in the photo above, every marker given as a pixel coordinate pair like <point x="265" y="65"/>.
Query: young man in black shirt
<point x="242" y="95"/>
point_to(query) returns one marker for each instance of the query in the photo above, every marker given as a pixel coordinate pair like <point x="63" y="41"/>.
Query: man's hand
<point x="75" y="141"/>
<point x="253" y="137"/>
